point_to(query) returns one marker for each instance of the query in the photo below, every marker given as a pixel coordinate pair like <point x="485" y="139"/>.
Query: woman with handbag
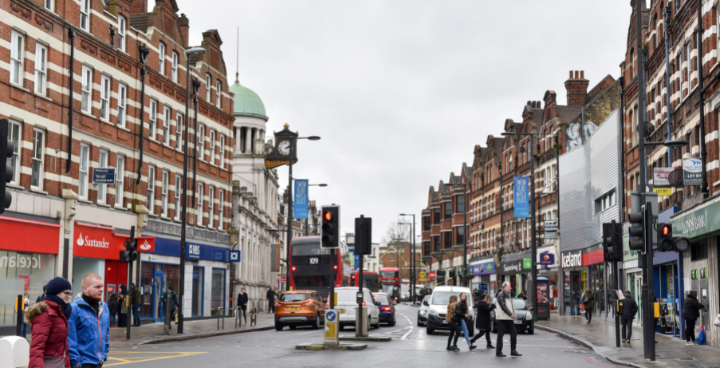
<point x="49" y="320"/>
<point x="461" y="312"/>
<point x="691" y="313"/>
<point x="588" y="303"/>
<point x="451" y="319"/>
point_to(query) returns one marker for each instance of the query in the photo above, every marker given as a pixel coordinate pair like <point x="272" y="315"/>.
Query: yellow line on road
<point x="148" y="359"/>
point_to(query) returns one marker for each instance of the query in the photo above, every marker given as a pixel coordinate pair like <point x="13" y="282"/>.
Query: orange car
<point x="299" y="308"/>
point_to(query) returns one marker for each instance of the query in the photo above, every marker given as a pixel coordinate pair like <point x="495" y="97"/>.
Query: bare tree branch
<point x="397" y="232"/>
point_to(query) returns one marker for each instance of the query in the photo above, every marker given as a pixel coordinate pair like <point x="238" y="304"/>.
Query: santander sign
<point x="87" y="242"/>
<point x="103" y="242"/>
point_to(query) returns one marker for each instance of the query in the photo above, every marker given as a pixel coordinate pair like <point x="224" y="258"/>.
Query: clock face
<point x="284" y="148"/>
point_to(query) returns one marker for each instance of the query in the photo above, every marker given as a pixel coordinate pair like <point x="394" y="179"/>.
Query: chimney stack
<point x="184" y="25"/>
<point x="577" y="88"/>
<point x="138" y="7"/>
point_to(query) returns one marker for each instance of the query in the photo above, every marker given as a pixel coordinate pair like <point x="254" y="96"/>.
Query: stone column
<point x="238" y="132"/>
<point x="248" y="141"/>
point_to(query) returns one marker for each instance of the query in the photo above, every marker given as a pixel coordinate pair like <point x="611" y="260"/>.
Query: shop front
<point x="484" y="278"/>
<point x="582" y="270"/>
<point x="632" y="278"/>
<point x="516" y="271"/>
<point x="28" y="255"/>
<point x="547" y="264"/>
<point x="206" y="278"/>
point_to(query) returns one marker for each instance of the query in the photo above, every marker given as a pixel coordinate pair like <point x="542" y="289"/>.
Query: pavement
<point x="600" y="337"/>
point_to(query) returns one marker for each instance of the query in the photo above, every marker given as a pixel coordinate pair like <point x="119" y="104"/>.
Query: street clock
<point x="285" y="145"/>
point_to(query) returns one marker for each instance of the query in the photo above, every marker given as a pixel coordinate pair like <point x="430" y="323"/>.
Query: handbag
<point x="582" y="307"/>
<point x="54" y="361"/>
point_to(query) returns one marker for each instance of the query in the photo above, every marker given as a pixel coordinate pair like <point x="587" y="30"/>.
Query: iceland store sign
<point x="522" y="196"/>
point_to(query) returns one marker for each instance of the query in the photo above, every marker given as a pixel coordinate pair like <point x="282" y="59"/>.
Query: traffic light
<point x="130" y="253"/>
<point x="617" y="247"/>
<point x="608" y="238"/>
<point x="637" y="232"/>
<point x="363" y="235"/>
<point x="665" y="238"/>
<point x="330" y="233"/>
<point x="7" y="147"/>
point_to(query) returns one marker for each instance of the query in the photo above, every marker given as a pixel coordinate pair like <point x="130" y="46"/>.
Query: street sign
<point x="331" y="327"/>
<point x="665" y="192"/>
<point x="104" y="175"/>
<point x="235" y="256"/>
<point x="692" y="171"/>
<point x="423" y="276"/>
<point x="551" y="225"/>
<point x="432" y="275"/>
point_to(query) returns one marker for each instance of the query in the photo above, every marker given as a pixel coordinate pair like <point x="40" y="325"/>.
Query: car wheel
<point x="419" y="324"/>
<point x="292" y="327"/>
<point x="378" y="323"/>
<point x="278" y="326"/>
<point x="392" y="323"/>
<point x="315" y="324"/>
<point x="531" y="329"/>
<point x="342" y="327"/>
<point x="429" y="330"/>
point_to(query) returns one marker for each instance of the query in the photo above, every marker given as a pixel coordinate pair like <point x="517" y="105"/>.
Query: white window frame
<point x="122" y="26"/>
<point x="200" y="204"/>
<point x="38" y="158"/>
<point x="175" y="59"/>
<point x="150" y="200"/>
<point x="178" y="191"/>
<point x="221" y="198"/>
<point x="218" y="93"/>
<point x="17" y="58"/>
<point x="15" y="135"/>
<point x="208" y="87"/>
<point x="211" y="206"/>
<point x="178" y="132"/>
<point x="102" y="188"/>
<point x="682" y="74"/>
<point x="41" y="69"/>
<point x="84" y="174"/>
<point x="86" y="101"/>
<point x="119" y="180"/>
<point x="167" y="112"/>
<point x="105" y="98"/>
<point x="164" y="192"/>
<point x="85" y="14"/>
<point x="201" y="142"/>
<point x="689" y="66"/>
<point x="212" y="146"/>
<point x="50" y="5"/>
<point x="152" y="119"/>
<point x="122" y="105"/>
<point x="222" y="151"/>
<point x="161" y="58"/>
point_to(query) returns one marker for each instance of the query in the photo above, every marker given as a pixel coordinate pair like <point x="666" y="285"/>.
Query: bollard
<point x="15" y="352"/>
<point x="19" y="306"/>
<point x="220" y="315"/>
<point x="238" y="317"/>
<point x="166" y="312"/>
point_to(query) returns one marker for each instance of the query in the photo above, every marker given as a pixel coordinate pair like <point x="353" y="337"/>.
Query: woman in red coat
<point x="49" y="346"/>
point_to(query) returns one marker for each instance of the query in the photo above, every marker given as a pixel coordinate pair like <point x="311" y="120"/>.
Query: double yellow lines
<point x="131" y="357"/>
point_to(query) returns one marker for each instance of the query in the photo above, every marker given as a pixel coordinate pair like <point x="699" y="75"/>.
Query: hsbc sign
<point x="572" y="259"/>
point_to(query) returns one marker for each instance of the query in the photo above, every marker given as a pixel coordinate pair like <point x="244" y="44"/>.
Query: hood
<point x="589" y="293"/>
<point x="35" y="310"/>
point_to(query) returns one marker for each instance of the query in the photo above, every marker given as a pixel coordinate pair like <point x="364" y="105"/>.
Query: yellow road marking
<point x="148" y="359"/>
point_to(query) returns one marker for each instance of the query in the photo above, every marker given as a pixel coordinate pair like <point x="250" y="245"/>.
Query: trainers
<point x="472" y="347"/>
<point x="689" y="343"/>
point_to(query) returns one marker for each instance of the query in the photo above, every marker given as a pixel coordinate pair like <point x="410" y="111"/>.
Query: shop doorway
<point x="158" y="284"/>
<point x="573" y="284"/>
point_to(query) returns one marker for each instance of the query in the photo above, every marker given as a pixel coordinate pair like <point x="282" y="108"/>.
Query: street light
<point x="196" y="89"/>
<point x="144" y="51"/>
<point x="307" y="222"/>
<point x="183" y="225"/>
<point x="533" y="245"/>
<point x="412" y="263"/>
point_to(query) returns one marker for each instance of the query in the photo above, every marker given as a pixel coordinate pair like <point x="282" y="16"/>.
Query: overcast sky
<point x="402" y="91"/>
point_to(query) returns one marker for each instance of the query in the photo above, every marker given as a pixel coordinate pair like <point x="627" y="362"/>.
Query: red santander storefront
<point x="96" y="249"/>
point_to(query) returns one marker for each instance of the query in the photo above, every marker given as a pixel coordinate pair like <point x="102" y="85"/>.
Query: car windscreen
<point x="443" y="297"/>
<point x="289" y="298"/>
<point x="519" y="304"/>
<point x="382" y="299"/>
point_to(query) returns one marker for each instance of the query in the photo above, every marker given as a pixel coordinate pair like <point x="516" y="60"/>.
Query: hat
<point x="57" y="286"/>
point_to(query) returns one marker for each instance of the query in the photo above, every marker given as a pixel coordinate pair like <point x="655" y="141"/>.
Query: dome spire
<point x="237" y="58"/>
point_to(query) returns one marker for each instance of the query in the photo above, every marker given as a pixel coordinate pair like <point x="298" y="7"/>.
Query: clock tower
<point x="285" y="141"/>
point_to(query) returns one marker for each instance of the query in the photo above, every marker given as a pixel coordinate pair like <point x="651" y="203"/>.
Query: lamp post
<point x="183" y="224"/>
<point x="143" y="51"/>
<point x="307" y="219"/>
<point x="533" y="245"/>
<point x="196" y="89"/>
<point x="290" y="209"/>
<point x="412" y="256"/>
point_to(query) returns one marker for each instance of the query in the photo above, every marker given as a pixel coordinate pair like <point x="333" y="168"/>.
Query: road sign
<point x="331" y="327"/>
<point x="104" y="175"/>
<point x="432" y="275"/>
<point x="235" y="256"/>
<point x="423" y="276"/>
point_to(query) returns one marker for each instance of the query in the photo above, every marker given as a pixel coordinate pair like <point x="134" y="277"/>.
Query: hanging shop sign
<point x="521" y="196"/>
<point x="483" y="268"/>
<point x="692" y="171"/>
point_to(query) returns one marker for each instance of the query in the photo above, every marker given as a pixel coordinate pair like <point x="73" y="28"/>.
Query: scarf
<point x="94" y="304"/>
<point x="65" y="307"/>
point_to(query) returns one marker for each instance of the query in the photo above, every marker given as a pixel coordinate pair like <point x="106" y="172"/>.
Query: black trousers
<point x="242" y="312"/>
<point x="506" y="326"/>
<point x="690" y="329"/>
<point x="271" y="306"/>
<point x="588" y="315"/>
<point x="626" y="327"/>
<point x="91" y="365"/>
<point x="454" y="334"/>
<point x="480" y="334"/>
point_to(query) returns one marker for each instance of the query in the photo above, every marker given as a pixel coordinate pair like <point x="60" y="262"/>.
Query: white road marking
<point x="305" y="333"/>
<point x="411" y="327"/>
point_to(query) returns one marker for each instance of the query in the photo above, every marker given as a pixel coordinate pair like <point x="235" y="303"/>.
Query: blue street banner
<point x="300" y="208"/>
<point x="521" y="196"/>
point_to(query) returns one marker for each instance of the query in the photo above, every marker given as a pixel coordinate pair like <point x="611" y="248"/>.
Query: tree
<point x="396" y="232"/>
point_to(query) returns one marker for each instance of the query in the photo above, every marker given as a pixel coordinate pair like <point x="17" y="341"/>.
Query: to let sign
<point x="692" y="171"/>
<point x="104" y="175"/>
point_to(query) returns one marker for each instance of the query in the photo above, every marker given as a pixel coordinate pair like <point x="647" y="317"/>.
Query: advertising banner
<point x="692" y="171"/>
<point x="300" y="208"/>
<point x="521" y="197"/>
<point x="660" y="176"/>
<point x="483" y="268"/>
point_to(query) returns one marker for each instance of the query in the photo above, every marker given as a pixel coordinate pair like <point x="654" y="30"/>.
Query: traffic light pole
<point x="289" y="219"/>
<point x="128" y="302"/>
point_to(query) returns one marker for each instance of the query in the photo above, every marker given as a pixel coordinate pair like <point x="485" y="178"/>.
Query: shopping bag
<point x="582" y="307"/>
<point x="701" y="337"/>
<point x="717" y="321"/>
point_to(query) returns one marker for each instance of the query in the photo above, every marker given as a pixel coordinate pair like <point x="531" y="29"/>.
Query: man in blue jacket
<point x="89" y="326"/>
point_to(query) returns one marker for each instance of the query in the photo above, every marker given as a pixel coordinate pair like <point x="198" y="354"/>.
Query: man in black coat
<point x="242" y="303"/>
<point x="482" y="321"/>
<point x="691" y="312"/>
<point x="271" y="294"/>
<point x="630" y="309"/>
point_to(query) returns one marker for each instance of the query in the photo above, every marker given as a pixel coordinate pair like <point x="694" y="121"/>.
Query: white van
<point x="347" y="302"/>
<point x="437" y="308"/>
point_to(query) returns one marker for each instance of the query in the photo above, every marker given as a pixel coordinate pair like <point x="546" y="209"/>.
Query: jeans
<point x="122" y="320"/>
<point x="454" y="334"/>
<point x="23" y="329"/>
<point x="588" y="315"/>
<point x="242" y="312"/>
<point x="112" y="320"/>
<point x="626" y="326"/>
<point x="136" y="314"/>
<point x="503" y="327"/>
<point x="463" y="324"/>
<point x="690" y="329"/>
<point x="480" y="334"/>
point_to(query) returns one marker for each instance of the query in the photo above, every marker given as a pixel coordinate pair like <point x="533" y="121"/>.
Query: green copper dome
<point x="247" y="102"/>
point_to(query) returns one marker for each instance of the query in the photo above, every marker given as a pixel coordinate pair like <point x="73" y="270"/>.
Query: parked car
<point x="347" y="303"/>
<point x="299" y="308"/>
<point x="437" y="308"/>
<point x="387" y="308"/>
<point x="423" y="310"/>
<point x="523" y="317"/>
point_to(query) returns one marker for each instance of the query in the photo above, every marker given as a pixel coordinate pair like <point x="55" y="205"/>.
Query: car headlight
<point x="528" y="316"/>
<point x="423" y="313"/>
<point x="433" y="312"/>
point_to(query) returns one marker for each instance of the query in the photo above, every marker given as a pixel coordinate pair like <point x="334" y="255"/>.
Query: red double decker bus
<point x="390" y="282"/>
<point x="315" y="268"/>
<point x="370" y="280"/>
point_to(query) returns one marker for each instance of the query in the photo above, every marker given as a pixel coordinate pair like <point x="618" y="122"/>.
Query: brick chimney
<point x="576" y="87"/>
<point x="184" y="26"/>
<point x="138" y="7"/>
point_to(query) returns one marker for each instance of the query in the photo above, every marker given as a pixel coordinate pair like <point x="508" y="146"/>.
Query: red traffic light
<point x="327" y="216"/>
<point x="666" y="230"/>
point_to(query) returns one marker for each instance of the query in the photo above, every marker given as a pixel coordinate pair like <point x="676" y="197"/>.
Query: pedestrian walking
<point x="461" y="312"/>
<point x="271" y="294"/>
<point x="505" y="319"/>
<point x="482" y="320"/>
<point x="123" y="304"/>
<point x="523" y="295"/>
<point x="40" y="297"/>
<point x="242" y="303"/>
<point x="89" y="326"/>
<point x="113" y="306"/>
<point x="23" y="325"/>
<point x="451" y="319"/>
<point x="49" y="321"/>
<point x="588" y="302"/>
<point x="630" y="309"/>
<point x="135" y="301"/>
<point x="173" y="304"/>
<point x="691" y="312"/>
